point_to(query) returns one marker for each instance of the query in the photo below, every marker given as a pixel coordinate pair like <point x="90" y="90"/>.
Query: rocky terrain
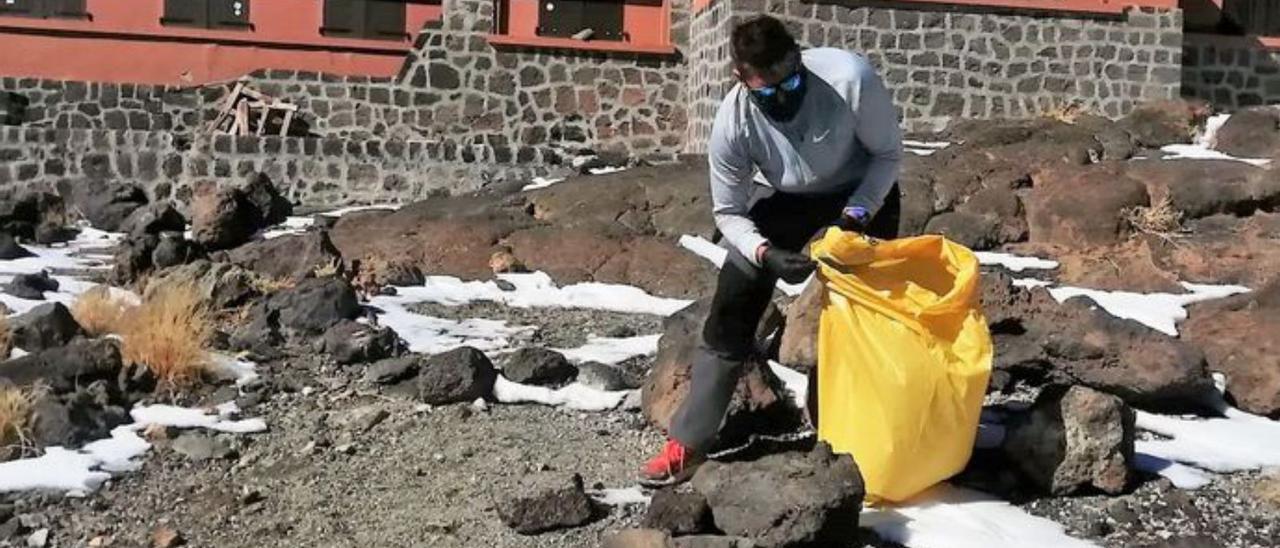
<point x="490" y="369"/>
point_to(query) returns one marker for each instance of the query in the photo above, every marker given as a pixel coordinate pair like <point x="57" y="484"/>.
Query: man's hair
<point x="762" y="43"/>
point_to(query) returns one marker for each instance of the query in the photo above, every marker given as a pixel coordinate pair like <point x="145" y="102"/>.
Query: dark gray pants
<point x="743" y="291"/>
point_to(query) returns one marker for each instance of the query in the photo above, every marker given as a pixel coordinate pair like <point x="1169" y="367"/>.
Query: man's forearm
<point x="881" y="175"/>
<point x="742" y="234"/>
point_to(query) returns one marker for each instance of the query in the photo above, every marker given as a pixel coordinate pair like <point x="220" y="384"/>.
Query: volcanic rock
<point x="46" y="326"/>
<point x="1073" y="438"/>
<point x="548" y="509"/>
<point x="538" y="366"/>
<point x="31" y="286"/>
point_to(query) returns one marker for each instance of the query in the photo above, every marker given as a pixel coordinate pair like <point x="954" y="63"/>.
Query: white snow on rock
<point x="716" y="255"/>
<point x="1181" y="475"/>
<point x="536" y="289"/>
<point x="573" y="396"/>
<point x="297" y="224"/>
<point x="541" y="182"/>
<point x="183" y="417"/>
<point x="1159" y="311"/>
<point x="1016" y="263"/>
<point x="431" y="335"/>
<point x="797" y="383"/>
<point x="612" y="350"/>
<point x="923" y="148"/>
<point x="951" y="517"/>
<point x="605" y="170"/>
<point x="243" y="372"/>
<point x="1201" y="152"/>
<point x="1231" y="443"/>
<point x="627" y="496"/>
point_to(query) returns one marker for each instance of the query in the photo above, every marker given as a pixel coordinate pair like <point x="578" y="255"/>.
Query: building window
<point x="585" y="19"/>
<point x="44" y="8"/>
<point x="374" y="19"/>
<point x="207" y="14"/>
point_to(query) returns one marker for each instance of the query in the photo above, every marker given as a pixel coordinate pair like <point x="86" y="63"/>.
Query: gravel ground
<point x="558" y="327"/>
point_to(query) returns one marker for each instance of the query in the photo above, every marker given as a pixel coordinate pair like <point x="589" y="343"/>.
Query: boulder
<point x="714" y="541"/>
<point x="785" y="499"/>
<point x="153" y="219"/>
<point x="538" y="366"/>
<point x="222" y="286"/>
<point x="1200" y="188"/>
<point x="1074" y="438"/>
<point x="967" y="229"/>
<point x="31" y="286"/>
<point x="549" y="508"/>
<point x="760" y="403"/>
<point x="294" y="256"/>
<point x="46" y="326"/>
<point x="262" y="335"/>
<point x="133" y="258"/>
<point x="35" y="215"/>
<point x="1159" y="123"/>
<point x="799" y="347"/>
<point x="173" y="249"/>
<point x="104" y="204"/>
<point x="457" y="376"/>
<point x="1237" y="335"/>
<point x="10" y="249"/>
<point x="1083" y="206"/>
<point x="1077" y="342"/>
<point x="392" y="370"/>
<point x="63" y="368"/>
<point x="223" y="219"/>
<point x="637" y="538"/>
<point x="272" y="207"/>
<point x="605" y="377"/>
<point x="1250" y="133"/>
<point x="679" y="513"/>
<point x="353" y="342"/>
<point x="315" y="305"/>
<point x="86" y="413"/>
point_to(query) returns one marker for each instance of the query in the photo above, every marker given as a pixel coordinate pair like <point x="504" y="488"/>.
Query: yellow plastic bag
<point x="904" y="355"/>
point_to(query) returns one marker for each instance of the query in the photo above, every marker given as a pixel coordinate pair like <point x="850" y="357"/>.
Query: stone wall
<point x="97" y="105"/>
<point x="1230" y="71"/>
<point x="969" y="62"/>
<point x="314" y="171"/>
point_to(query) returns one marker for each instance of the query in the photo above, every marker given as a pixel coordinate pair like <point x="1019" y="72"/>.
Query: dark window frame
<point x="366" y="19"/>
<point x="203" y="14"/>
<point x="48" y="9"/>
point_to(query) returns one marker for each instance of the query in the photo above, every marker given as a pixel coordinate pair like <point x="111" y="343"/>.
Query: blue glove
<point x="854" y="219"/>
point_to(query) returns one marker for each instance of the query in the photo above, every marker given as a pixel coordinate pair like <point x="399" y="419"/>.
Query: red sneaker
<point x="673" y="465"/>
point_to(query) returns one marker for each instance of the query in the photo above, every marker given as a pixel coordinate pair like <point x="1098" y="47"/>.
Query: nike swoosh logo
<point x="820" y="138"/>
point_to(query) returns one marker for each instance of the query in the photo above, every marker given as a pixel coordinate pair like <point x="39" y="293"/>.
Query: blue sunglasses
<point x="791" y="83"/>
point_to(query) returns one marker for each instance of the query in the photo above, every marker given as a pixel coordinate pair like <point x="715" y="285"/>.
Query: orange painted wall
<point x="1090" y="6"/>
<point x="646" y="23"/>
<point x="125" y="42"/>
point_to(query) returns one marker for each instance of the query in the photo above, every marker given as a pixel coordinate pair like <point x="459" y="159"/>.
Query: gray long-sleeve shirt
<point x="845" y="136"/>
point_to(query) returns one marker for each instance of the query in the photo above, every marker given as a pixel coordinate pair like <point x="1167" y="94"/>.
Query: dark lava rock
<point x="104" y="204"/>
<point x="64" y="368"/>
<point x="605" y="377"/>
<point x="785" y="499"/>
<point x="87" y="413"/>
<point x="272" y="207"/>
<point x="315" y="305"/>
<point x="538" y="366"/>
<point x="1074" y="438"/>
<point x="173" y="250"/>
<point x="154" y="219"/>
<point x="223" y="219"/>
<point x="221" y="285"/>
<point x="46" y="326"/>
<point x="679" y="513"/>
<point x="293" y="256"/>
<point x="10" y="249"/>
<point x="31" y="286"/>
<point x="460" y="375"/>
<point x="133" y="258"/>
<point x="548" y="509"/>
<point x="392" y="370"/>
<point x="353" y="342"/>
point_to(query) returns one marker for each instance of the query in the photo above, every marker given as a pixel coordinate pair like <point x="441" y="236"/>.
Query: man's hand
<point x="792" y="267"/>
<point x="854" y="219"/>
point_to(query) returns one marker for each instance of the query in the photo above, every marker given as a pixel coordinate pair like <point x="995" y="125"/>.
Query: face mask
<point x="781" y="101"/>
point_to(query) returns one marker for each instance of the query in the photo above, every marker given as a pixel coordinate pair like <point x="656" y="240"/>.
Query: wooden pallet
<point x="245" y="105"/>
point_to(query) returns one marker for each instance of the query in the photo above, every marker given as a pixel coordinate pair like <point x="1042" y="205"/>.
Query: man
<point x="819" y="127"/>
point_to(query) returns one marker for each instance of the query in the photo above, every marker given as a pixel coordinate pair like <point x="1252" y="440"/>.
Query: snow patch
<point x="1030" y="283"/>
<point x="243" y="372"/>
<point x="1181" y="475"/>
<point x="534" y="290"/>
<point x="923" y="148"/>
<point x="612" y="350"/>
<point x="1016" y="263"/>
<point x="1201" y="152"/>
<point x="431" y="335"/>
<point x="573" y="396"/>
<point x="605" y="170"/>
<point x="627" y="496"/>
<point x="297" y="224"/>
<point x="1237" y="441"/>
<point x="797" y="383"/>
<point x="951" y="517"/>
<point x="183" y="417"/>
<point x="1159" y="311"/>
<point x="1209" y="138"/>
<point x="76" y="472"/>
<point x="541" y="182"/>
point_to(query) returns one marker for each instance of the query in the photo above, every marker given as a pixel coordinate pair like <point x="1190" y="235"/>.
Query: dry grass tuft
<point x="15" y="421"/>
<point x="98" y="312"/>
<point x="1067" y="114"/>
<point x="332" y="269"/>
<point x="1268" y="489"/>
<point x="1161" y="218"/>
<point x="267" y="285"/>
<point x="6" y="338"/>
<point x="169" y="333"/>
